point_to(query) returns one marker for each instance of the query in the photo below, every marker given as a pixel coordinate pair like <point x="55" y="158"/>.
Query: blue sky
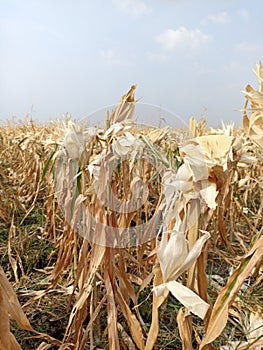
<point x="190" y="57"/>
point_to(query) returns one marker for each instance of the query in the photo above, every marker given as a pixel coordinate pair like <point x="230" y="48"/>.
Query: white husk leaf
<point x="173" y="254"/>
<point x="186" y="296"/>
<point x="209" y="193"/>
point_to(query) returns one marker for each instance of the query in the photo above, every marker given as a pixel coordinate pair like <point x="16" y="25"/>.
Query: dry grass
<point x="78" y="293"/>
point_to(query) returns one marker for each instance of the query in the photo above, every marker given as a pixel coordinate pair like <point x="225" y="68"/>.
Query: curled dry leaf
<point x="73" y="142"/>
<point x="186" y="296"/>
<point x="12" y="304"/>
<point x="174" y="255"/>
<point x="183" y="318"/>
<point x="175" y="258"/>
<point x="127" y="145"/>
<point x="259" y="74"/>
<point x="114" y="130"/>
<point x="133" y="323"/>
<point x="157" y="302"/>
<point x="203" y="153"/>
<point x="209" y="193"/>
<point x="125" y="109"/>
<point x="9" y="305"/>
<point x="254" y="97"/>
<point x="254" y="126"/>
<point x="157" y="135"/>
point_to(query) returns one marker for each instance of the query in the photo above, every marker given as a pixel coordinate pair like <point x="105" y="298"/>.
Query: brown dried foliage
<point x="103" y="285"/>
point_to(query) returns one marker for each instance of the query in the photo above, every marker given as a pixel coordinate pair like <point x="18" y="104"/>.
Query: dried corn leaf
<point x="133" y="323"/>
<point x="157" y="135"/>
<point x="226" y="297"/>
<point x="254" y="97"/>
<point x="9" y="305"/>
<point x="175" y="258"/>
<point x="157" y="302"/>
<point x="186" y="296"/>
<point x="96" y="259"/>
<point x="203" y="153"/>
<point x="125" y="109"/>
<point x="183" y="318"/>
<point x="12" y="304"/>
<point x="254" y="126"/>
<point x="209" y="193"/>
<point x="259" y="74"/>
<point x="183" y="181"/>
<point x="73" y="142"/>
<point x="114" y="130"/>
<point x="174" y="255"/>
<point x="7" y="340"/>
<point x="113" y="336"/>
<point x="127" y="145"/>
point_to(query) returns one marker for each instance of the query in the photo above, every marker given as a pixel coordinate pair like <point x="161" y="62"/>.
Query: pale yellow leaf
<point x="209" y="193"/>
<point x="193" y="254"/>
<point x="183" y="320"/>
<point x="172" y="253"/>
<point x="205" y="152"/>
<point x="157" y="302"/>
<point x="156" y="135"/>
<point x="187" y="297"/>
<point x="12" y="304"/>
<point x="133" y="323"/>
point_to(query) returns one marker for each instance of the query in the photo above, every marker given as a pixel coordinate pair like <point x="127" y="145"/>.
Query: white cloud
<point x="219" y="18"/>
<point x="248" y="47"/>
<point x="182" y="37"/>
<point x="243" y="13"/>
<point x="132" y="7"/>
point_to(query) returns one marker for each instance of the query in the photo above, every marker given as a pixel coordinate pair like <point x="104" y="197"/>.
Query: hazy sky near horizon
<point x="190" y="57"/>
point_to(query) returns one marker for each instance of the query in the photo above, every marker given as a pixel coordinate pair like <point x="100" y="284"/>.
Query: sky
<point x="188" y="57"/>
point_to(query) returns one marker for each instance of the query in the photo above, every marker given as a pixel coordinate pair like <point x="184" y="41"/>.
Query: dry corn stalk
<point x="254" y="126"/>
<point x="208" y="167"/>
<point x="104" y="178"/>
<point x="94" y="205"/>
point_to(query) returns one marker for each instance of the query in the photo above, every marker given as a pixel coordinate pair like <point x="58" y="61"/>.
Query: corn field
<point x="129" y="237"/>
